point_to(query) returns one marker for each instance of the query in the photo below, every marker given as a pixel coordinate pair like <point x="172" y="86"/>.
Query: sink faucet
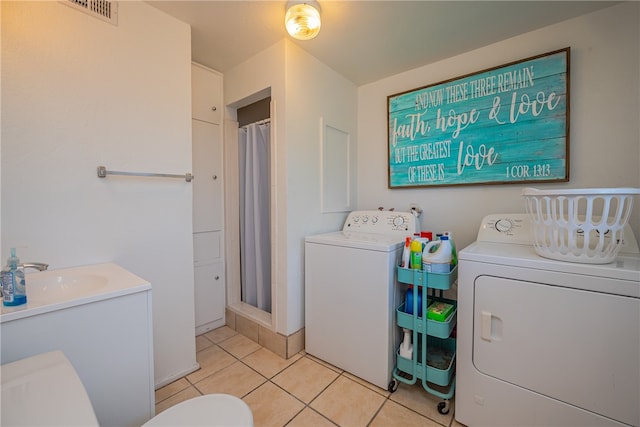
<point x="40" y="266"/>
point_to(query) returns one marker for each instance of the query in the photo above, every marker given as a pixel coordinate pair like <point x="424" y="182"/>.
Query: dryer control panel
<point x="516" y="228"/>
<point x="382" y="222"/>
<point x="506" y="228"/>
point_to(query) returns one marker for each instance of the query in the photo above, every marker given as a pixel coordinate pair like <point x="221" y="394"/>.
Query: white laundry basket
<point x="581" y="225"/>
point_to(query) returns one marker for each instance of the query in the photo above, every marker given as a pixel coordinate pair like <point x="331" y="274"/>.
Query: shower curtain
<point x="255" y="215"/>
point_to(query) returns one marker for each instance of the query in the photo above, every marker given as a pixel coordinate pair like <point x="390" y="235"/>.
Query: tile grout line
<point x="269" y="380"/>
<point x="306" y="405"/>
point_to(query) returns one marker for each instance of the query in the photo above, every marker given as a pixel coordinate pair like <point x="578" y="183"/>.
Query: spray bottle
<point x="406" y="253"/>
<point x="406" y="348"/>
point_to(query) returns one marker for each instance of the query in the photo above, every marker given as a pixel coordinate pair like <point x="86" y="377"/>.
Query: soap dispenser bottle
<point x="14" y="291"/>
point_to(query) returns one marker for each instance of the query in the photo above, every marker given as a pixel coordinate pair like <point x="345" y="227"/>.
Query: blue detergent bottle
<point x="14" y="291"/>
<point x="408" y="301"/>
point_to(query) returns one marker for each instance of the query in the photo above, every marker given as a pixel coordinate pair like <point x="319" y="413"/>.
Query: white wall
<point x="314" y="92"/>
<point x="604" y="117"/>
<point x="303" y="91"/>
<point x="1" y="253"/>
<point x="77" y="93"/>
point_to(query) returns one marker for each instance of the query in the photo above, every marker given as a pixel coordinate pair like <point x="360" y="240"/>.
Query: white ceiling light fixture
<point x="302" y="19"/>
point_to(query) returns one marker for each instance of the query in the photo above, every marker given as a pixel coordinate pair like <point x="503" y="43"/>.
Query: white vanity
<point x="100" y="317"/>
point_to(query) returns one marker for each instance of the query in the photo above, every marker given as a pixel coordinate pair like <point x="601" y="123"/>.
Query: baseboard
<point x="176" y="376"/>
<point x="255" y="330"/>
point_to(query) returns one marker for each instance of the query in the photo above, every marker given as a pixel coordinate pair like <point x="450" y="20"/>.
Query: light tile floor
<point x="300" y="391"/>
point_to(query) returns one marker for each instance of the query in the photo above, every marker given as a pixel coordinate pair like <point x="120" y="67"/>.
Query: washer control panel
<point x="382" y="222"/>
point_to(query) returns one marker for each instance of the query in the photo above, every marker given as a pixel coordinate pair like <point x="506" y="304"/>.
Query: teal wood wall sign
<point x="504" y="125"/>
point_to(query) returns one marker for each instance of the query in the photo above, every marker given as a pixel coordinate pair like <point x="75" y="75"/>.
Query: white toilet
<point x="46" y="390"/>
<point x="208" y="410"/>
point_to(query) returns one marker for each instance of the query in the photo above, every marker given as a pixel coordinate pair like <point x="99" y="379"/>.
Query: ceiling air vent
<point x="102" y="9"/>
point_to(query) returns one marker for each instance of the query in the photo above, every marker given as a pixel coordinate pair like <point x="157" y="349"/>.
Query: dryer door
<point x="576" y="346"/>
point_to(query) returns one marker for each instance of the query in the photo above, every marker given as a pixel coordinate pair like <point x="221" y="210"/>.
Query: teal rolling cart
<point x="434" y="348"/>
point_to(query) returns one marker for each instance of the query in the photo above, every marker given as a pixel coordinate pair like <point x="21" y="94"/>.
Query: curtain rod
<point x="259" y="122"/>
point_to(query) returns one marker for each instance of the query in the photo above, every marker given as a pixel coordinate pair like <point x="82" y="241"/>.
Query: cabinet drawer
<point x="207" y="247"/>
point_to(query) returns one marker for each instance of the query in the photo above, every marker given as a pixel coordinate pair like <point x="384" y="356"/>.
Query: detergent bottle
<point x="454" y="252"/>
<point x="409" y="296"/>
<point x="421" y="238"/>
<point x="416" y="254"/>
<point x="440" y="260"/>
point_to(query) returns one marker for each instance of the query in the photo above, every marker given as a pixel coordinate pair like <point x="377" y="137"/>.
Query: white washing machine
<point x="544" y="342"/>
<point x="351" y="293"/>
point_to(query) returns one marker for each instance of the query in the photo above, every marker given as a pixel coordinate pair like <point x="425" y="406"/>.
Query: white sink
<point x="44" y="390"/>
<point x="64" y="287"/>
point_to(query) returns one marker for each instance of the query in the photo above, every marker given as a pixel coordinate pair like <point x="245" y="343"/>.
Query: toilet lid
<point x="207" y="410"/>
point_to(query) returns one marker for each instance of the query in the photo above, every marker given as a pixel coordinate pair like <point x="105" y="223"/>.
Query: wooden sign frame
<point x="503" y="125"/>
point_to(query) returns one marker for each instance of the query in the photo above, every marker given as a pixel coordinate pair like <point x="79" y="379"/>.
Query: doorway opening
<point x="254" y="191"/>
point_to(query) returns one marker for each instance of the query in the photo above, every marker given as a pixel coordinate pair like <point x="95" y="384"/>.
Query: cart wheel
<point x="393" y="386"/>
<point x="443" y="407"/>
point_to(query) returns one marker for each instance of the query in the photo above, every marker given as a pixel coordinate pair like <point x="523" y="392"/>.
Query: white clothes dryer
<point x="544" y="342"/>
<point x="351" y="293"/>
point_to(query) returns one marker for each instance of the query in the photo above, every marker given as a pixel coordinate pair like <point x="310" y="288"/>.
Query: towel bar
<point x="103" y="172"/>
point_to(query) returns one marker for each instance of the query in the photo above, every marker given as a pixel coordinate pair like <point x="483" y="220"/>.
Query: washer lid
<point x="356" y="240"/>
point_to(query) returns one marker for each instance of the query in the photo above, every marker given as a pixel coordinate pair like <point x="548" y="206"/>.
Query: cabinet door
<point x="206" y="95"/>
<point x="210" y="296"/>
<point x="207" y="170"/>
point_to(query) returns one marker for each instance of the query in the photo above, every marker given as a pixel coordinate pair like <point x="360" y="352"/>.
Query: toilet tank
<point x="44" y="390"/>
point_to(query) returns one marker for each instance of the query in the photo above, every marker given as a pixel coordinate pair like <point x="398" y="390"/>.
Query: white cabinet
<point x="207" y="169"/>
<point x="208" y="198"/>
<point x="109" y="342"/>
<point x="206" y="99"/>
<point x="209" y="281"/>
